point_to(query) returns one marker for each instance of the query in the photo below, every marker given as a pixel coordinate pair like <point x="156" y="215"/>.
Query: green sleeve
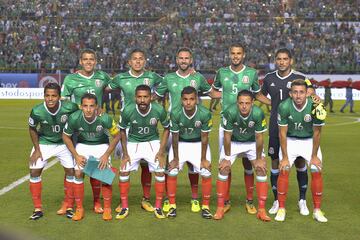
<point x="204" y="85"/>
<point x="207" y="123"/>
<point x="114" y="83"/>
<point x="217" y="82"/>
<point x="227" y="122"/>
<point x="260" y="125"/>
<point x="282" y="115"/>
<point x="124" y="120"/>
<point x="174" y="124"/>
<point x="157" y="79"/>
<point x="66" y="90"/>
<point x="33" y="119"/>
<point x="255" y="87"/>
<point x="164" y="118"/>
<point x="69" y="128"/>
<point x="162" y="88"/>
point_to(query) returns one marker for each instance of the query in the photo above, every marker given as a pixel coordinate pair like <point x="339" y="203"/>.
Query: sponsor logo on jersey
<point x="198" y="124"/>
<point x="174" y="85"/>
<point x="99" y="128"/>
<point x="63" y="118"/>
<point x="251" y="124"/>
<point x="80" y="129"/>
<point x="288" y="85"/>
<point x="181" y="124"/>
<point x="307" y="118"/>
<point x="80" y="85"/>
<point x="135" y="122"/>
<point x="153" y="121"/>
<point x="31" y="121"/>
<point x="245" y="79"/>
<point x="45" y="122"/>
<point x="271" y="150"/>
<point x="147" y="81"/>
<point x="272" y="85"/>
<point x="98" y="82"/>
<point x="290" y="117"/>
<point x="226" y="79"/>
<point x="127" y="83"/>
<point x="193" y="83"/>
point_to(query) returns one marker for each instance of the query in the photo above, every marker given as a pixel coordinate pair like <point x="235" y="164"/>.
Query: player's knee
<point x="173" y="172"/>
<point x="261" y="178"/>
<point x="246" y="163"/>
<point x="79" y="174"/>
<point x="300" y="163"/>
<point x="35" y="172"/>
<point x="160" y="177"/>
<point x="69" y="171"/>
<point x="301" y="169"/>
<point x="249" y="171"/>
<point x="224" y="172"/>
<point x="260" y="173"/>
<point x="275" y="163"/>
<point x="205" y="173"/>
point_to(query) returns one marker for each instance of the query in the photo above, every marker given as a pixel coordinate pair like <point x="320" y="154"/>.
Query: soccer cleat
<point x="275" y="207"/>
<point x="69" y="213"/>
<point x="146" y="205"/>
<point x="280" y="215"/>
<point x="79" y="214"/>
<point x="107" y="214"/>
<point x="262" y="215"/>
<point x="172" y="212"/>
<point x="318" y="215"/>
<point x="118" y="208"/>
<point x="219" y="213"/>
<point x="303" y="208"/>
<point x="159" y="213"/>
<point x="97" y="208"/>
<point x="205" y="212"/>
<point x="166" y="205"/>
<point x="249" y="206"/>
<point x="195" y="205"/>
<point x="123" y="213"/>
<point x="62" y="210"/>
<point x="227" y="206"/>
<point x="36" y="215"/>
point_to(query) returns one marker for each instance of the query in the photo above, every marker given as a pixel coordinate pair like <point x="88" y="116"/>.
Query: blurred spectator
<point x="349" y="98"/>
<point x="328" y="99"/>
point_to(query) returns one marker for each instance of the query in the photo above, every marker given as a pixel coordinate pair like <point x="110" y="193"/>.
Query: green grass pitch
<point x="339" y="143"/>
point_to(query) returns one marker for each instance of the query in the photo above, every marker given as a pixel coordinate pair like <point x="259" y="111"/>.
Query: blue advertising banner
<point x="19" y="80"/>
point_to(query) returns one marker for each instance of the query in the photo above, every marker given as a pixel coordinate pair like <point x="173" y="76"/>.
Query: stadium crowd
<point x="39" y="35"/>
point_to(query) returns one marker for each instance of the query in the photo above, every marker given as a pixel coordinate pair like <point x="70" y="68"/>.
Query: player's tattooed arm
<point x="316" y="144"/>
<point x="262" y="98"/>
<point x="125" y="157"/>
<point x="284" y="164"/>
<point x="205" y="163"/>
<point x="79" y="159"/>
<point x="35" y="140"/>
<point x="174" y="163"/>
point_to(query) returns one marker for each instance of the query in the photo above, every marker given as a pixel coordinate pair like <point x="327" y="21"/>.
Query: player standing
<point x="51" y="115"/>
<point x="93" y="140"/>
<point x="190" y="127"/>
<point x="244" y="125"/>
<point x="299" y="135"/>
<point x="143" y="142"/>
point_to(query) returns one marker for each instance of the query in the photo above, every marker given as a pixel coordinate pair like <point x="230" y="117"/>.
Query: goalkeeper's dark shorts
<point x="274" y="147"/>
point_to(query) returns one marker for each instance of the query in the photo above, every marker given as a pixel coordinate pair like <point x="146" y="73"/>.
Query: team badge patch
<point x="153" y="121"/>
<point x="31" y="121"/>
<point x="99" y="128"/>
<point x="147" y="81"/>
<point x="98" y="82"/>
<point x="251" y="124"/>
<point x="193" y="83"/>
<point x="245" y="79"/>
<point x="288" y="85"/>
<point x="198" y="124"/>
<point x="63" y="118"/>
<point x="271" y="150"/>
<point x="307" y="118"/>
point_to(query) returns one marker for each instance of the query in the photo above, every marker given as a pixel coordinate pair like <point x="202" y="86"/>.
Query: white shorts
<point x="221" y="136"/>
<point x="91" y="150"/>
<point x="54" y="150"/>
<point x="190" y="152"/>
<point x="241" y="149"/>
<point x="300" y="148"/>
<point x="143" y="151"/>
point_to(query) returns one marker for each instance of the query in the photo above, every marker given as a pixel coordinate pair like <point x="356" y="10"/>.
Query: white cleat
<point x="275" y="207"/>
<point x="280" y="215"/>
<point x="303" y="208"/>
<point x="318" y="215"/>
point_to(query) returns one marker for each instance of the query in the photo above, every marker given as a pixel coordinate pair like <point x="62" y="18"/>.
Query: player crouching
<point x="244" y="125"/>
<point x="143" y="143"/>
<point x="300" y="132"/>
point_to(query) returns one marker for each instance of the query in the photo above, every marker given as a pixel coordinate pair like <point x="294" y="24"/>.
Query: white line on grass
<point x="345" y="123"/>
<point x="24" y="179"/>
<point x="13" y="128"/>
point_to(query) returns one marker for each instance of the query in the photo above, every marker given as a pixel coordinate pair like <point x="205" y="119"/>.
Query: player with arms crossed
<point x="127" y="83"/>
<point x="190" y="127"/>
<point x="51" y="115"/>
<point x="93" y="140"/>
<point x="244" y="125"/>
<point x="300" y="132"/>
<point x="143" y="142"/>
<point x="87" y="80"/>
<point x="231" y="80"/>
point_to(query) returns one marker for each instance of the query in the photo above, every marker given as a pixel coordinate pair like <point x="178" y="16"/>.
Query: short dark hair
<point x="137" y="50"/>
<point x="245" y="93"/>
<point x="237" y="44"/>
<point x="283" y="50"/>
<point x="89" y="96"/>
<point x="53" y="85"/>
<point x="184" y="49"/>
<point x="143" y="87"/>
<point x="87" y="50"/>
<point x="299" y="82"/>
<point x="188" y="90"/>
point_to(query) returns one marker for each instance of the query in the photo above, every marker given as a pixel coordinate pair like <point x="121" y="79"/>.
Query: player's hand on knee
<point x="284" y="164"/>
<point x="173" y="164"/>
<point x="260" y="166"/>
<point x="80" y="160"/>
<point x="225" y="165"/>
<point x="316" y="162"/>
<point x="160" y="156"/>
<point x="205" y="164"/>
<point x="125" y="159"/>
<point x="104" y="160"/>
<point x="35" y="157"/>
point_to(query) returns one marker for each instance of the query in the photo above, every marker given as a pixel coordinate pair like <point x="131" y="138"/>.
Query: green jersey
<point x="143" y="127"/>
<point x="190" y="127"/>
<point x="300" y="122"/>
<point x="175" y="83"/>
<point x="127" y="82"/>
<point x="91" y="133"/>
<point x="76" y="85"/>
<point x="232" y="82"/>
<point x="243" y="128"/>
<point x="51" y="124"/>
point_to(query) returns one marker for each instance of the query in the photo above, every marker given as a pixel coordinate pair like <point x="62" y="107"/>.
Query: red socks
<point x="124" y="192"/>
<point x="206" y="190"/>
<point x="171" y="188"/>
<point x="107" y="195"/>
<point x="261" y="190"/>
<point x="35" y="190"/>
<point x="221" y="191"/>
<point x="282" y="187"/>
<point x="69" y="192"/>
<point x="227" y="189"/>
<point x="146" y="181"/>
<point x="96" y="189"/>
<point x="316" y="189"/>
<point x="78" y="194"/>
<point x="194" y="183"/>
<point x="249" y="185"/>
<point x="159" y="192"/>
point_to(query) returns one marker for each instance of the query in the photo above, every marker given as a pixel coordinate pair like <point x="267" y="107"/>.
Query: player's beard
<point x="143" y="107"/>
<point x="184" y="69"/>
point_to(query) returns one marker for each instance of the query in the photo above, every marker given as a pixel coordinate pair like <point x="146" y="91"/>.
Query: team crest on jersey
<point x="307" y="118"/>
<point x="198" y="124"/>
<point x="288" y="85"/>
<point x="99" y="128"/>
<point x="251" y="124"/>
<point x="153" y="121"/>
<point x="147" y="81"/>
<point x="98" y="82"/>
<point x="31" y="121"/>
<point x="63" y="118"/>
<point x="193" y="83"/>
<point x="245" y="79"/>
<point x="271" y="150"/>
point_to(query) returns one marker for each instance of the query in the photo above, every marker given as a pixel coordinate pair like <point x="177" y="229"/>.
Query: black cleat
<point x="205" y="213"/>
<point x="36" y="215"/>
<point x="171" y="213"/>
<point x="69" y="213"/>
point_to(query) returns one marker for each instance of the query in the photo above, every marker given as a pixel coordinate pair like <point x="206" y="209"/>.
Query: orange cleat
<point x="79" y="214"/>
<point x="261" y="214"/>
<point x="98" y="208"/>
<point x="118" y="208"/>
<point x="62" y="210"/>
<point x="107" y="214"/>
<point x="219" y="213"/>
